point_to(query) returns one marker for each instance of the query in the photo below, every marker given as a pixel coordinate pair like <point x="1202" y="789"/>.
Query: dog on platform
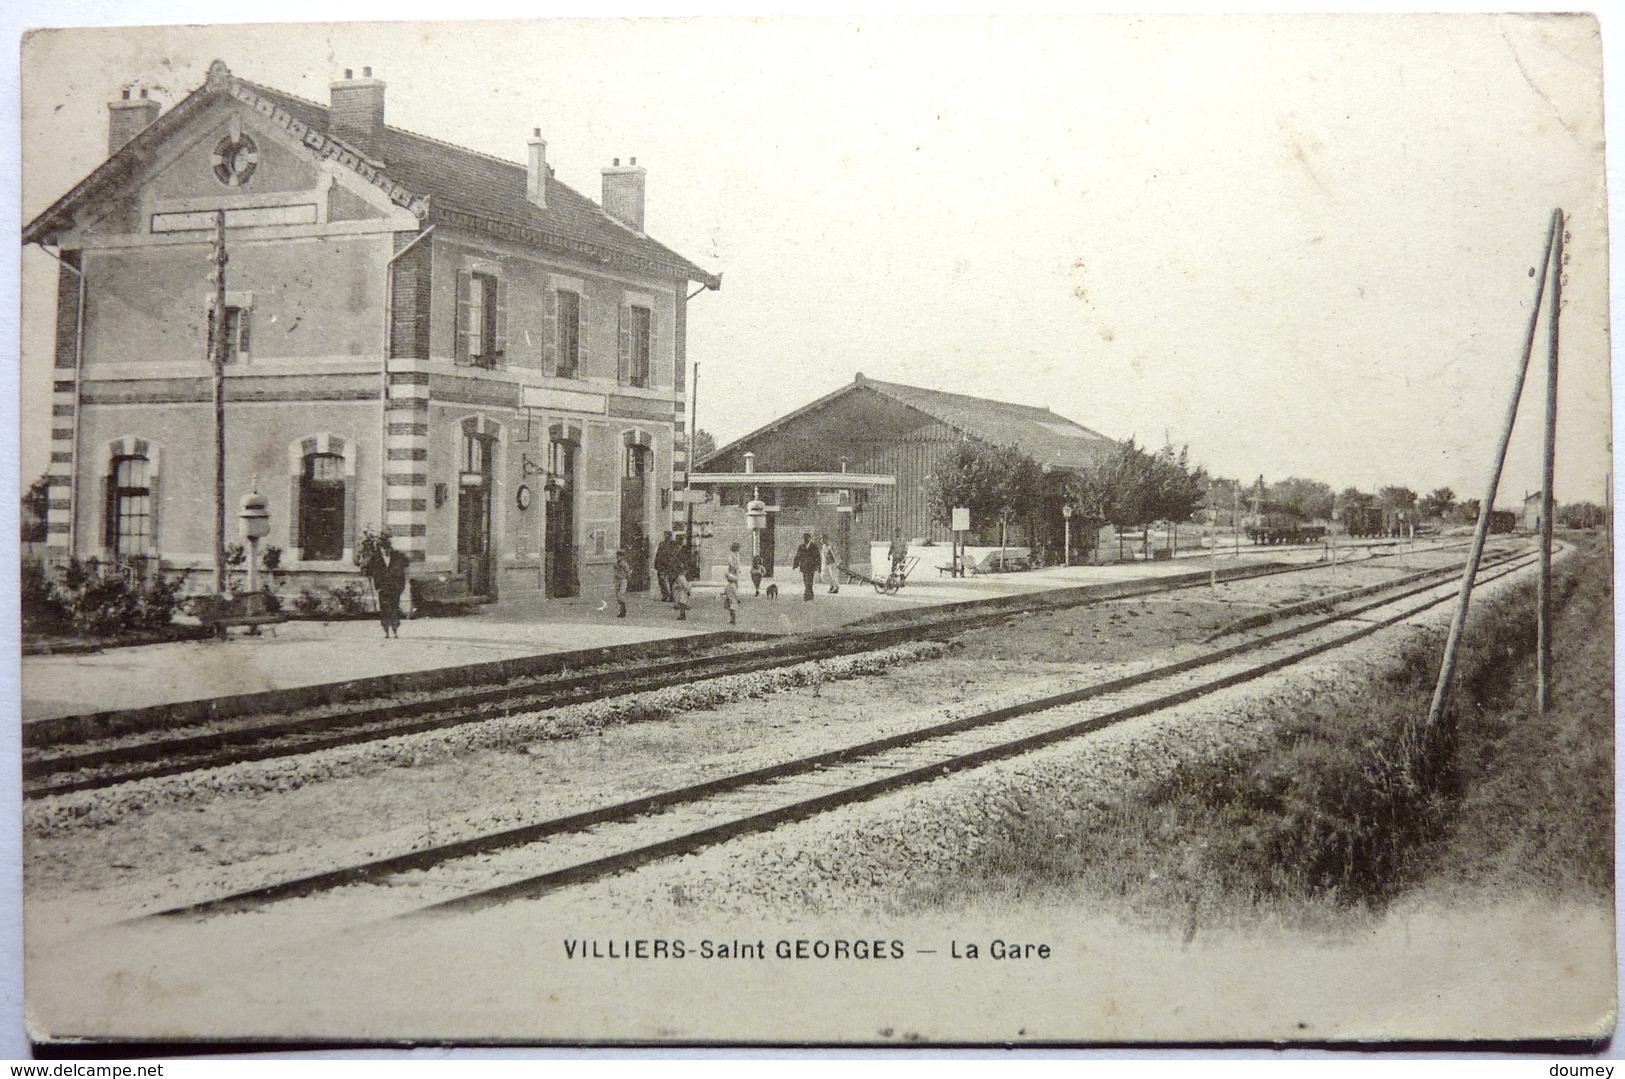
<point x="772" y="591"/>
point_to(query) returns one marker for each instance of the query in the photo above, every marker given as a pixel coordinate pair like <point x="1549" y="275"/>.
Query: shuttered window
<point x="482" y="318"/>
<point x="237" y="327"/>
<point x="636" y="339"/>
<point x="569" y="334"/>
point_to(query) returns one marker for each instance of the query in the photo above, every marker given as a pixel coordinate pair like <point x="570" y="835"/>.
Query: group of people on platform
<point x="815" y="559"/>
<point x="671" y="571"/>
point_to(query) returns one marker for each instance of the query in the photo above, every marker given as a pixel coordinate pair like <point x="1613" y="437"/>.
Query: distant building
<point x="1531" y="512"/>
<point x="880" y="428"/>
<point x="418" y="336"/>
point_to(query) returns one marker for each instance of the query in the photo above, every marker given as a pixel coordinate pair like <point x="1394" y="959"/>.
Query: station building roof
<point x="449" y="183"/>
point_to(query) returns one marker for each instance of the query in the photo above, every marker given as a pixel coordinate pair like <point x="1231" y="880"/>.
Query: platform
<point x="303" y="654"/>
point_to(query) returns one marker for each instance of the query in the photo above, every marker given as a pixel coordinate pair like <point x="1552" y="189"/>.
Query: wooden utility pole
<point x="1543" y="632"/>
<point x="1447" y="667"/>
<point x="1235" y="517"/>
<point x="1212" y="540"/>
<point x="218" y="361"/>
<point x="688" y="470"/>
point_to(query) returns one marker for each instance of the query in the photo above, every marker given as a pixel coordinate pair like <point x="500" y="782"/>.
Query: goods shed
<point x="877" y="428"/>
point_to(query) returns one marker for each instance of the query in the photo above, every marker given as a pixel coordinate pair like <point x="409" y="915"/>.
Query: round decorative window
<point x="523" y="496"/>
<point x="235" y="158"/>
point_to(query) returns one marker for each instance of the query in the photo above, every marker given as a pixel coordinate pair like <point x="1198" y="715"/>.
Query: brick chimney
<point x="357" y="113"/>
<point x="536" y="171"/>
<point x="128" y="117"/>
<point x="623" y="193"/>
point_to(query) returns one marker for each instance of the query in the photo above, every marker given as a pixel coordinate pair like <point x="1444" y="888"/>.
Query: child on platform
<point x="681" y="594"/>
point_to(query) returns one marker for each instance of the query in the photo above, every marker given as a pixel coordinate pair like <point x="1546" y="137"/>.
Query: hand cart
<point x="888" y="585"/>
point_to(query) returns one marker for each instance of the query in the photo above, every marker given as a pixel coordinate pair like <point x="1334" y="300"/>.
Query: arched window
<point x="637" y="461"/>
<point x="129" y="507"/>
<point x="321" y="508"/>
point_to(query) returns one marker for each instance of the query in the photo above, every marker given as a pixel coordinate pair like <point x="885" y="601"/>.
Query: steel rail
<point x="649" y="804"/>
<point x="176" y="754"/>
<point x="543" y="883"/>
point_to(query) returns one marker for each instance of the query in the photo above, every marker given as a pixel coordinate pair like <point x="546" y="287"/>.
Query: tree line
<point x="1134" y="487"/>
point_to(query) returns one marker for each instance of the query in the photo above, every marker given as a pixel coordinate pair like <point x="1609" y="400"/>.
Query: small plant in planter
<point x="307" y="603"/>
<point x="236" y="555"/>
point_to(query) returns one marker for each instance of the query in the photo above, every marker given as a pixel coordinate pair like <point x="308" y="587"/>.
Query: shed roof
<point x="1054" y="441"/>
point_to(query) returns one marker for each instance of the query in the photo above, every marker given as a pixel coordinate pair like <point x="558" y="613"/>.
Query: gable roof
<point x="1054" y="441"/>
<point x="438" y="181"/>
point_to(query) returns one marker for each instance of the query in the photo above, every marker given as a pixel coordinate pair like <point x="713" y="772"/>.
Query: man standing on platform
<point x="809" y="560"/>
<point x="668" y="564"/>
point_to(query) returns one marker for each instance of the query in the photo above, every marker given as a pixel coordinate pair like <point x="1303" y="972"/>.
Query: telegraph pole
<point x="688" y="470"/>
<point x="1458" y="624"/>
<point x="1543" y="632"/>
<point x="218" y="361"/>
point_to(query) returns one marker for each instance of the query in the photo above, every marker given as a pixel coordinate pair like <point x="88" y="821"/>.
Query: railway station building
<point x="419" y="336"/>
<point x="875" y="428"/>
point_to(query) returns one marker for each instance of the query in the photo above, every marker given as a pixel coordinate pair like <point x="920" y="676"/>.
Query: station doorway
<point x="634" y="515"/>
<point x="474" y="515"/>
<point x="559" y="555"/>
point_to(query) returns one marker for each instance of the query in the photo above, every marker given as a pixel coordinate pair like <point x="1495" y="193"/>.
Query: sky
<point x="1299" y="244"/>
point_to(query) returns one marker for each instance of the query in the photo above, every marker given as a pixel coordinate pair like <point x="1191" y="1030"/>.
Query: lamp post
<point x="1066" y="529"/>
<point x="253" y="524"/>
<point x="756" y="518"/>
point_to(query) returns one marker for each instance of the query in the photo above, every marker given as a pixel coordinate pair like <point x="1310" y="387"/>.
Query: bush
<point x="351" y="599"/>
<point x="307" y="603"/>
<point x="43" y="609"/>
<point x="156" y="599"/>
<point x="373" y="550"/>
<point x="105" y="605"/>
<point x="88" y="598"/>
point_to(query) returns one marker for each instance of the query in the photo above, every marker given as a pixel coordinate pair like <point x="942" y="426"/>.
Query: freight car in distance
<point x="1276" y="524"/>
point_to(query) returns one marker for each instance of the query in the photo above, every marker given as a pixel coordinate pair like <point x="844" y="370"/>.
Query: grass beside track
<point x="1347" y="803"/>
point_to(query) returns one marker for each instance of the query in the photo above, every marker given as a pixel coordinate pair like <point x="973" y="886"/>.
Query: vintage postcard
<point x="888" y="530"/>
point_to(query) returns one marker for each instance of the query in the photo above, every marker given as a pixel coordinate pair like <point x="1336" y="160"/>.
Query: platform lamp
<point x="756" y="517"/>
<point x="254" y="524"/>
<point x="1066" y="529"/>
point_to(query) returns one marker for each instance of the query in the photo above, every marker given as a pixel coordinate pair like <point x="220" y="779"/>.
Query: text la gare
<point x="998" y="949"/>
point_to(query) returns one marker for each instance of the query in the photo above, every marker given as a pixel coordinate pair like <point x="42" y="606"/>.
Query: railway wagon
<point x="1503" y="522"/>
<point x="1364" y="522"/>
<point x="1279" y="525"/>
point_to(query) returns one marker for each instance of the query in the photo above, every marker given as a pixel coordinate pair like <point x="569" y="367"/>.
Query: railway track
<point x="544" y="856"/>
<point x="66" y="765"/>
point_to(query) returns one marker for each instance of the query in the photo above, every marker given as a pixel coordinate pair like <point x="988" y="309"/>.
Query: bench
<point x="251" y="609"/>
<point x="1013" y="560"/>
<point x="442" y="590"/>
